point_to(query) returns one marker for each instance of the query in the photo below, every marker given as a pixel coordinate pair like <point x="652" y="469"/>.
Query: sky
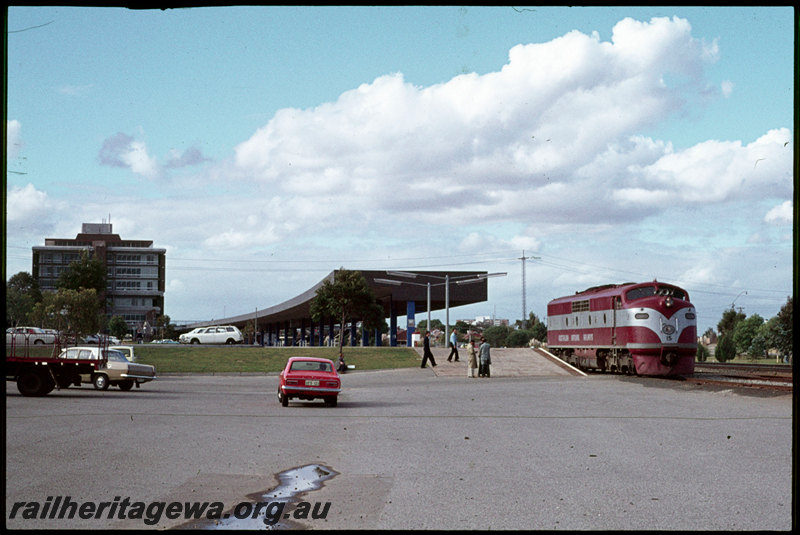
<point x="264" y="147"/>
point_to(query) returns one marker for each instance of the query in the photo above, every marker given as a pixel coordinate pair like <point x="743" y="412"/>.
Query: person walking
<point x="472" y="363"/>
<point x="426" y="351"/>
<point x="485" y="358"/>
<point x="454" y="346"/>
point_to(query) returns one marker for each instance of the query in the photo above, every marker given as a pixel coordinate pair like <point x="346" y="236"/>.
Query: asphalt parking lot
<point x="414" y="449"/>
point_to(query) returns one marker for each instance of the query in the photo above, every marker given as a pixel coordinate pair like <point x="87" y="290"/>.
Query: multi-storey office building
<point x="135" y="270"/>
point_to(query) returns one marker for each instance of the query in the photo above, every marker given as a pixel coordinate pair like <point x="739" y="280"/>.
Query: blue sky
<point x="266" y="146"/>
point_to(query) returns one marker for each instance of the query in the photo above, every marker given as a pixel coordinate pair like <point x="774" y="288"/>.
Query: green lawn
<point x="170" y="358"/>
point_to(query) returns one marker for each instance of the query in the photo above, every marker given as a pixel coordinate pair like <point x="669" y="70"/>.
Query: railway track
<point x="765" y="376"/>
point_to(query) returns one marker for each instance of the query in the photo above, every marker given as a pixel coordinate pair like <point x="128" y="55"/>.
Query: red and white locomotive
<point x="647" y="328"/>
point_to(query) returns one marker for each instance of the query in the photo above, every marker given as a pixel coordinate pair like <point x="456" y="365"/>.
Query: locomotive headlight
<point x="668" y="301"/>
<point x="668" y="329"/>
<point x="690" y="316"/>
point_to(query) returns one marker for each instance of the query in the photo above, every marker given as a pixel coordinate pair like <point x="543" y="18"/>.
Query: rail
<point x="776" y="376"/>
<point x="742" y="367"/>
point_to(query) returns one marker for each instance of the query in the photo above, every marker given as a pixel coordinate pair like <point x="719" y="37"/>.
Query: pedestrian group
<point x="478" y="363"/>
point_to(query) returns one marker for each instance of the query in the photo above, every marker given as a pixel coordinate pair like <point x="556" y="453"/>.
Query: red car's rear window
<point x="306" y="366"/>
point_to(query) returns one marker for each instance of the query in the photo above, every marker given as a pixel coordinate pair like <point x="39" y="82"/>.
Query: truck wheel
<point x="32" y="383"/>
<point x="126" y="385"/>
<point x="100" y="382"/>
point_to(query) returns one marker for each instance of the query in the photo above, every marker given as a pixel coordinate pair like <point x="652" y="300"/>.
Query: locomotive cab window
<point x="639" y="293"/>
<point x="648" y="291"/>
<point x="674" y="292"/>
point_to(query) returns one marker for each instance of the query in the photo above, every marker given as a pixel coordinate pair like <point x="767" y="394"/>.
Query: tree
<point x="76" y="312"/>
<point x="117" y="327"/>
<point x="726" y="348"/>
<point x="729" y="320"/>
<point x="422" y="326"/>
<point x="745" y="331"/>
<point x="22" y="294"/>
<point x="702" y="353"/>
<point x="461" y="327"/>
<point x="781" y="332"/>
<point x="165" y="329"/>
<point x="534" y="326"/>
<point x="519" y="338"/>
<point x="374" y="318"/>
<point x="88" y="273"/>
<point x="348" y="297"/>
<point x="497" y="335"/>
<point x="710" y="335"/>
<point x="759" y="344"/>
<point x="539" y="331"/>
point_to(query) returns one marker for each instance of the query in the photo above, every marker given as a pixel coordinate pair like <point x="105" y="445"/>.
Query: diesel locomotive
<point x="645" y="328"/>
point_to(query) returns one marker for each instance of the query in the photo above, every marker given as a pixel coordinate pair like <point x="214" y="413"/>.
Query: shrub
<point x="726" y="348"/>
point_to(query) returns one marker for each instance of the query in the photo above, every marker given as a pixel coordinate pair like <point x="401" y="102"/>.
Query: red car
<point x="309" y="378"/>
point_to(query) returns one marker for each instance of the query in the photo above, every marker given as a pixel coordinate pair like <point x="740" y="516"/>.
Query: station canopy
<point x="392" y="289"/>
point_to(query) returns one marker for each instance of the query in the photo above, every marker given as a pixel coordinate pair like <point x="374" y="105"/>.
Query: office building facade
<point x="135" y="271"/>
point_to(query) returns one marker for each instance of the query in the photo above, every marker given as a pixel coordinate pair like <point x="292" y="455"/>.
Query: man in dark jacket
<point x="426" y="351"/>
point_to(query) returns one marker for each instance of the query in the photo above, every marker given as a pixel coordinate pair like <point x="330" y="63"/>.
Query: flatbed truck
<point x="38" y="370"/>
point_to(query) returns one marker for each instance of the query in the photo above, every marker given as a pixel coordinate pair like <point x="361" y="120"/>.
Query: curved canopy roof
<point x="393" y="289"/>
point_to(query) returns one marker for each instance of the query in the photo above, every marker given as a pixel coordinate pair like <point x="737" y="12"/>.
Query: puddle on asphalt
<point x="276" y="508"/>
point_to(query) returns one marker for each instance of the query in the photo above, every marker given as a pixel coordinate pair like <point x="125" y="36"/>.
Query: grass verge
<point x="170" y="358"/>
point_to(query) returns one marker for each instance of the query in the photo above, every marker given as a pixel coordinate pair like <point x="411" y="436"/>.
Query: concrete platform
<point x="506" y="362"/>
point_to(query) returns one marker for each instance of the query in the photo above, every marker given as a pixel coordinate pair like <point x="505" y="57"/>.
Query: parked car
<point x="125" y="350"/>
<point x="218" y="334"/>
<point x="309" y="378"/>
<point x="30" y="335"/>
<point x="164" y="341"/>
<point x="117" y="371"/>
<point x="98" y="339"/>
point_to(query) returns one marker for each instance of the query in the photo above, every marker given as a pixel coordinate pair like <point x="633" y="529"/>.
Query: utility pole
<point x="524" y="308"/>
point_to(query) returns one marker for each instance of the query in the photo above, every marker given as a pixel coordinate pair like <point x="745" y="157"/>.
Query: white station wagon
<point x="218" y="334"/>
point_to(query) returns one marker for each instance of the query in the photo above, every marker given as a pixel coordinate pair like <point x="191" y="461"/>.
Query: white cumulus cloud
<point x="782" y="214"/>
<point x="558" y="125"/>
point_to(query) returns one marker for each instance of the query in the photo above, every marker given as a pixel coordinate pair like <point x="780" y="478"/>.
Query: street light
<point x="464" y="279"/>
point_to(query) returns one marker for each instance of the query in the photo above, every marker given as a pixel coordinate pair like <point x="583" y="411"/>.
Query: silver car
<point x="117" y="370"/>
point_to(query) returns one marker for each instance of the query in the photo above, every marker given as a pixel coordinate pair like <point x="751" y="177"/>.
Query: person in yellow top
<point x="472" y="363"/>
